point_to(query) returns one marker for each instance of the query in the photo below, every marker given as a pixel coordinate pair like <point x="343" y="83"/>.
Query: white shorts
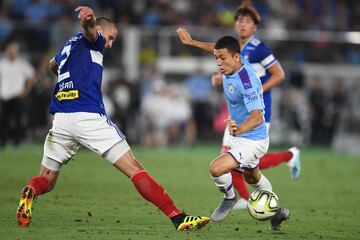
<point x="227" y="137"/>
<point x="71" y="130"/>
<point x="248" y="152"/>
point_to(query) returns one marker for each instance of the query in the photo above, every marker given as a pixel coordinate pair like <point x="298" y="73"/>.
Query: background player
<point x="80" y="119"/>
<point x="270" y="73"/>
<point x="243" y="92"/>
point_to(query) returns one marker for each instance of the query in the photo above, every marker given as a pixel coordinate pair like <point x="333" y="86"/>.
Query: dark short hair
<point x="105" y="22"/>
<point x="228" y="42"/>
<point x="246" y="9"/>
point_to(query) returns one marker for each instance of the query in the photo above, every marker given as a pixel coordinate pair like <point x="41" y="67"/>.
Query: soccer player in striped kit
<point x="80" y="119"/>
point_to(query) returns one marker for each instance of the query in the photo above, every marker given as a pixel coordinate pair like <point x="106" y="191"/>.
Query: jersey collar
<point x="240" y="69"/>
<point x="247" y="42"/>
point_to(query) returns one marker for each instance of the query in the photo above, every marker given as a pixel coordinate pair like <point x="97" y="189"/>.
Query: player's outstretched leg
<point x="224" y="209"/>
<point x="36" y="186"/>
<point x="184" y="222"/>
<point x="294" y="163"/>
<point x="153" y="192"/>
<point x="24" y="209"/>
<point x="281" y="215"/>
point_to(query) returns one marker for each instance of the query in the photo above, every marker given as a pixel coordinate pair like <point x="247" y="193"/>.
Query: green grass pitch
<point x="92" y="200"/>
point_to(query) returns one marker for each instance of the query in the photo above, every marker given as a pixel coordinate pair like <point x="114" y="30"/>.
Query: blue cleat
<point x="294" y="163"/>
<point x="224" y="209"/>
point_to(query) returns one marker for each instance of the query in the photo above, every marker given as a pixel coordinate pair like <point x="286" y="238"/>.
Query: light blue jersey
<point x="243" y="92"/>
<point x="80" y="67"/>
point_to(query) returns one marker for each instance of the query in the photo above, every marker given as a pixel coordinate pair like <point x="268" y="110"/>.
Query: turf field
<point x="94" y="201"/>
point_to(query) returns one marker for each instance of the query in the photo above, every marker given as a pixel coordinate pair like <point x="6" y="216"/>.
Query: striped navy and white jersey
<point x="80" y="67"/>
<point x="261" y="57"/>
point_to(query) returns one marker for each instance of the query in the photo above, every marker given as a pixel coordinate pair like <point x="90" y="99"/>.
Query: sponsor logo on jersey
<point x="66" y="85"/>
<point x="251" y="96"/>
<point x="74" y="39"/>
<point x="68" y="95"/>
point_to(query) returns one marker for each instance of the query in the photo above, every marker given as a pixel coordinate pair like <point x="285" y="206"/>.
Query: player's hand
<point x="233" y="128"/>
<point x="85" y="13"/>
<point x="184" y="35"/>
<point x="216" y="79"/>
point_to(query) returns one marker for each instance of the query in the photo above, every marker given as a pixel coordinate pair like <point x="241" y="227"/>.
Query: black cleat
<point x="281" y="215"/>
<point x="183" y="222"/>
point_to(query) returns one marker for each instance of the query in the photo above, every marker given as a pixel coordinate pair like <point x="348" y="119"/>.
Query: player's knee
<point x="128" y="164"/>
<point x="215" y="170"/>
<point x="251" y="177"/>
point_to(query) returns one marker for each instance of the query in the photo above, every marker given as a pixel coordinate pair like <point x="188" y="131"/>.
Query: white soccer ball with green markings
<point x="263" y="204"/>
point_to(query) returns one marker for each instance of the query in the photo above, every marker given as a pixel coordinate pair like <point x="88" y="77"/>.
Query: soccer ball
<point x="263" y="204"/>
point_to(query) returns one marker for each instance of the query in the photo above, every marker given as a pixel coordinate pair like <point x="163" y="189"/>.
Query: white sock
<point x="263" y="183"/>
<point x="224" y="184"/>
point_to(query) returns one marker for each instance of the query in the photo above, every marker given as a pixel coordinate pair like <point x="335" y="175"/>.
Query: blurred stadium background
<point x="158" y="91"/>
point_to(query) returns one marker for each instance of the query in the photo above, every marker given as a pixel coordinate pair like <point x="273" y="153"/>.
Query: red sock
<point x="274" y="159"/>
<point x="40" y="185"/>
<point x="240" y="184"/>
<point x="153" y="192"/>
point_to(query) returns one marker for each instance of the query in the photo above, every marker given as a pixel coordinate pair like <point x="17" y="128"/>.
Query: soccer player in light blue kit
<point x="243" y="92"/>
<point x="271" y="74"/>
<point x="80" y="119"/>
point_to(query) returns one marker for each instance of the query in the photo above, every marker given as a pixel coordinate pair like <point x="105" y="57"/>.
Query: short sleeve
<point x="252" y="100"/>
<point x="99" y="43"/>
<point x="265" y="56"/>
<point x="250" y="92"/>
<point x="57" y="57"/>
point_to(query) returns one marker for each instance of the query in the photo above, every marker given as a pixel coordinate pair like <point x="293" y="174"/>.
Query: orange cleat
<point x="23" y="214"/>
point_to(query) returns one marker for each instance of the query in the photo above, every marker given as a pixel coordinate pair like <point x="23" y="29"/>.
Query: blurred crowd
<point x="43" y="20"/>
<point x="294" y="14"/>
<point x="313" y="109"/>
<point x="155" y="110"/>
